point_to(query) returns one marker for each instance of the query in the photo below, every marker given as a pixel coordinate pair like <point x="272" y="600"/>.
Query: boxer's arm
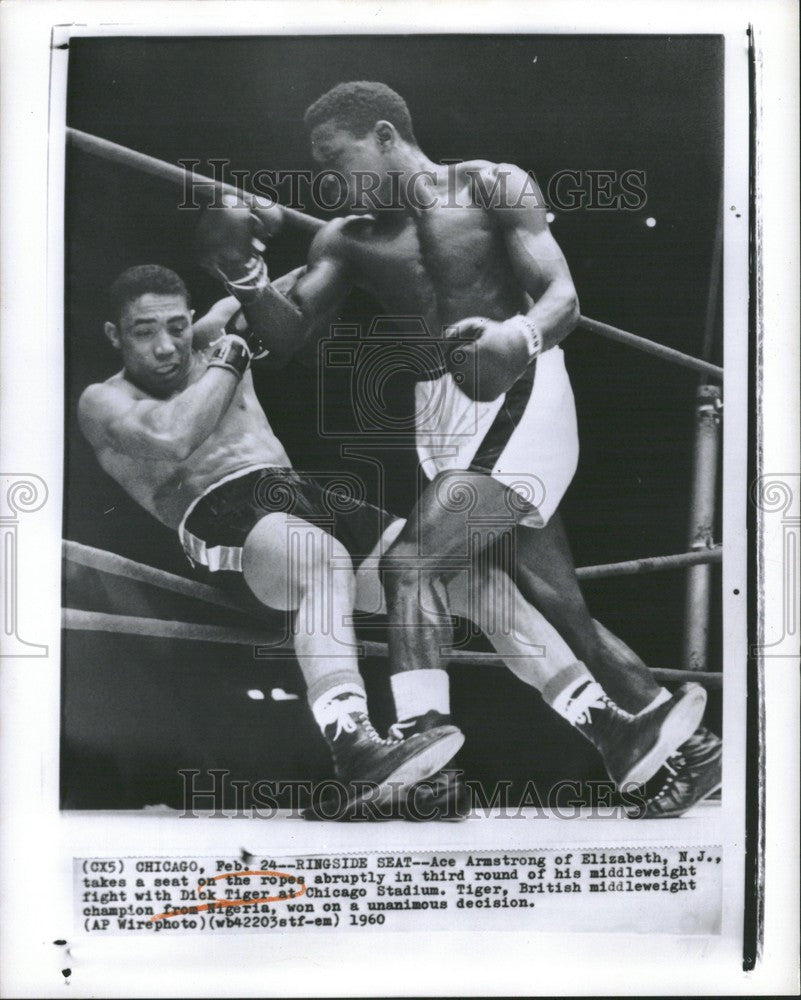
<point x="502" y="350"/>
<point x="322" y="285"/>
<point x="292" y="308"/>
<point x="279" y="314"/>
<point x="211" y="326"/>
<point x="537" y="261"/>
<point x="157" y="429"/>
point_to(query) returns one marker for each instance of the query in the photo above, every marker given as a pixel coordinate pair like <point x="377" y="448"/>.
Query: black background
<point x="548" y="104"/>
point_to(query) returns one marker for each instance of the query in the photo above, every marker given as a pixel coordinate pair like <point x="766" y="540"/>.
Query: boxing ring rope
<point x="697" y="561"/>
<point x="110" y="562"/>
<point x="158" y="628"/>
<point x="112" y="152"/>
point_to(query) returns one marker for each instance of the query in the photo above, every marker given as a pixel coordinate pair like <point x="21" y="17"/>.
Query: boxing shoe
<point x="688" y="777"/>
<point x="443" y="796"/>
<point x="634" y="747"/>
<point x="373" y="770"/>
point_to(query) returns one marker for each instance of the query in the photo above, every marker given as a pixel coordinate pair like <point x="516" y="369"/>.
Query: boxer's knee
<point x="404" y="571"/>
<point x="396" y="568"/>
<point x="285" y="559"/>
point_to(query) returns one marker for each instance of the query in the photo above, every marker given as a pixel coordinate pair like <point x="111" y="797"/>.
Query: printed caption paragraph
<point x="667" y="890"/>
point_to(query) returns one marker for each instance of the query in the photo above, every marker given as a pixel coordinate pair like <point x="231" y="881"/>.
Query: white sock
<point x="572" y="692"/>
<point x="337" y="701"/>
<point x="419" y="691"/>
<point x="660" y="699"/>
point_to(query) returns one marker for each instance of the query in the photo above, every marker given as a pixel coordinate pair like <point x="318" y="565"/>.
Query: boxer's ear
<point x="112" y="333"/>
<point x="385" y="133"/>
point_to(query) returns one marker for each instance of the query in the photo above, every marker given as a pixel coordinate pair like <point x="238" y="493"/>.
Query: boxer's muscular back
<point x="165" y="488"/>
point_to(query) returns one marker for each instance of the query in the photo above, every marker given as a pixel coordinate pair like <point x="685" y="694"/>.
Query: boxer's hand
<point x="489" y="357"/>
<point x="229" y="240"/>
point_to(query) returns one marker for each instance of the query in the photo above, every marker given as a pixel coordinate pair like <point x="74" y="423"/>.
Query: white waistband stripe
<point x="216" y="557"/>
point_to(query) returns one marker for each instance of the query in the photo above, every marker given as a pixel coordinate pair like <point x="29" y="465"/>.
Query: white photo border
<point x="38" y="842"/>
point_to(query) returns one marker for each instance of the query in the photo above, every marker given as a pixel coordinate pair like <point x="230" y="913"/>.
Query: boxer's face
<point x="363" y="161"/>
<point x="154" y="336"/>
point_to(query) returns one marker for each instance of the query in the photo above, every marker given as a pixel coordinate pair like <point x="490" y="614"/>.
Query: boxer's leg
<point x="531" y="647"/>
<point x="292" y="565"/>
<point x="546" y="575"/>
<point x="437" y="543"/>
<point x="490" y="599"/>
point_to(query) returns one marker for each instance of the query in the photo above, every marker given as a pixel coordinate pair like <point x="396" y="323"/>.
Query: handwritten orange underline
<point x="224" y="903"/>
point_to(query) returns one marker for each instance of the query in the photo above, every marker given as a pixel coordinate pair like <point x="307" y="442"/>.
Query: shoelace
<point x="348" y="714"/>
<point x="396" y="729"/>
<point x="578" y="710"/>
<point x="373" y="733"/>
<point x="343" y="712"/>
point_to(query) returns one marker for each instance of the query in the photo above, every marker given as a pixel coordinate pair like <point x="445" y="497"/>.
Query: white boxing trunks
<point x="527" y="439"/>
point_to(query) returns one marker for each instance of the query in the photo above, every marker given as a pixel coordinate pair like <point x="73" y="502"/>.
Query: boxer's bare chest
<point x="442" y="263"/>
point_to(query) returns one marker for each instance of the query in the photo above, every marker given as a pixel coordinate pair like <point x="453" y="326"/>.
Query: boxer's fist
<point x="487" y="357"/>
<point x="228" y="239"/>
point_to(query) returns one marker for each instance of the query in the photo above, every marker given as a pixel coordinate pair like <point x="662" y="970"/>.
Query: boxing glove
<point x="229" y="241"/>
<point x="487" y="357"/>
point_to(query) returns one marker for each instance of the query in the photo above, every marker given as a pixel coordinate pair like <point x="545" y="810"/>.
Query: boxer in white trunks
<point x="466" y="248"/>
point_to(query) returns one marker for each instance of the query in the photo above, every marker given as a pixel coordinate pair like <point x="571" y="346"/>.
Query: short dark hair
<point x="358" y="105"/>
<point x="144" y="279"/>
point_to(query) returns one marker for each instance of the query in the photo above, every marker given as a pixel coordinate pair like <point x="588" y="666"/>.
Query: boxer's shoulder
<point x="99" y="402"/>
<point x="470" y="168"/>
<point x="114" y="386"/>
<point x="500" y="185"/>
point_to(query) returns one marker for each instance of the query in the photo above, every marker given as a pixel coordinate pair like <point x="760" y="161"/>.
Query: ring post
<point x="702" y="524"/>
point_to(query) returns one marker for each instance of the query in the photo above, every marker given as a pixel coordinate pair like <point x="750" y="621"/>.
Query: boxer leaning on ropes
<point x="467" y="248"/>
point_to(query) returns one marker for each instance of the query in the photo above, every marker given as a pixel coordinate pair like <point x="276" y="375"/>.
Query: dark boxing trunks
<point x="216" y="525"/>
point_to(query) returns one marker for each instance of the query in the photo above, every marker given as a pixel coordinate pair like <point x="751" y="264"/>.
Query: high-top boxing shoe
<point x="443" y="796"/>
<point x="688" y="777"/>
<point x="372" y="769"/>
<point x="634" y="747"/>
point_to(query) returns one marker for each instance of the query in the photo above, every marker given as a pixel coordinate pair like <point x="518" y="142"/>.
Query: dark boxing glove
<point x="488" y="357"/>
<point x="229" y="242"/>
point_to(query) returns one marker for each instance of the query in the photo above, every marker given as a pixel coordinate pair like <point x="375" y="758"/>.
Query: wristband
<point x="231" y="352"/>
<point x="531" y="332"/>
